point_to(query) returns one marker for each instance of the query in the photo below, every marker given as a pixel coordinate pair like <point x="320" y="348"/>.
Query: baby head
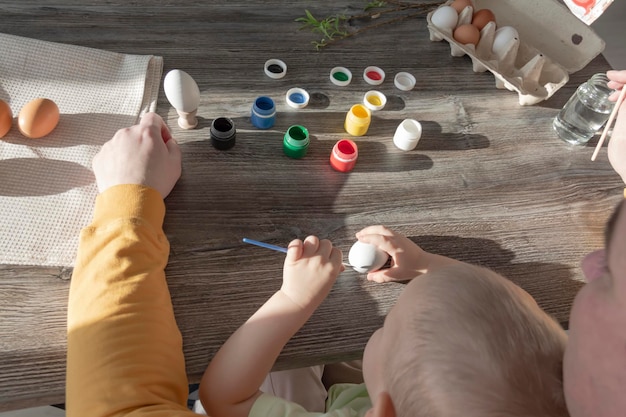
<point x="465" y="341"/>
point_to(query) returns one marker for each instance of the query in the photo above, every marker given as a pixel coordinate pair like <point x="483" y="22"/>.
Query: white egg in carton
<point x="551" y="44"/>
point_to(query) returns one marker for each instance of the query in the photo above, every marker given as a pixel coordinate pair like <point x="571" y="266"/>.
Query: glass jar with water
<point x="585" y="112"/>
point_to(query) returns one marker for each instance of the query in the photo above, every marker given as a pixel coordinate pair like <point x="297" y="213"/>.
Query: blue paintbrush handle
<point x="265" y="245"/>
<point x="274" y="247"/>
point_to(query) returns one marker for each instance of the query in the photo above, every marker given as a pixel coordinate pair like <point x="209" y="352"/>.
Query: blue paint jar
<point x="263" y="113"/>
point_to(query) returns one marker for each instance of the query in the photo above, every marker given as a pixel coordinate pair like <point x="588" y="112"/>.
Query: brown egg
<point x="466" y="34"/>
<point x="38" y="118"/>
<point x="482" y="17"/>
<point x="459" y="5"/>
<point x="6" y="118"/>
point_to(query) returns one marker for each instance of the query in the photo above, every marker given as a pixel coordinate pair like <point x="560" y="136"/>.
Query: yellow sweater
<point x="124" y="355"/>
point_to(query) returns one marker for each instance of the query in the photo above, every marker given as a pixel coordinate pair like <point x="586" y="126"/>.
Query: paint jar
<point x="585" y="112"/>
<point x="340" y="76"/>
<point x="263" y="113"/>
<point x="296" y="141"/>
<point x="223" y="133"/>
<point x="408" y="133"/>
<point x="358" y="120"/>
<point x="343" y="156"/>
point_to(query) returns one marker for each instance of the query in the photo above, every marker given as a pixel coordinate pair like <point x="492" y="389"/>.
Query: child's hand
<point x="409" y="260"/>
<point x="310" y="270"/>
<point x="617" y="142"/>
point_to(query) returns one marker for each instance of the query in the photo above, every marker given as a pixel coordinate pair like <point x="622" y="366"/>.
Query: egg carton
<point x="552" y="44"/>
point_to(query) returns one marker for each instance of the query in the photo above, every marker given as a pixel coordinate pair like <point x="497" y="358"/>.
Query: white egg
<point x="445" y="17"/>
<point x="365" y="257"/>
<point x="181" y="91"/>
<point x="502" y="39"/>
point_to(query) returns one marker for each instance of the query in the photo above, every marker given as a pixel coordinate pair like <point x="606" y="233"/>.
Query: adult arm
<point x="617" y="142"/>
<point x="125" y="353"/>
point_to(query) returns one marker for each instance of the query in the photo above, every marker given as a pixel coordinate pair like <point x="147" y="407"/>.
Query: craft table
<point x="489" y="182"/>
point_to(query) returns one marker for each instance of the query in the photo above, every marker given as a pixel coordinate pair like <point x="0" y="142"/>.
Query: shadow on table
<point x="553" y="291"/>
<point x="58" y="162"/>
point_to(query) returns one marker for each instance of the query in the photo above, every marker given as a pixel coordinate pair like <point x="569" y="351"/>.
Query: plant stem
<point x="330" y="29"/>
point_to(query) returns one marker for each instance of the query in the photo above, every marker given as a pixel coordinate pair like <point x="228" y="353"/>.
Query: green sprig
<point x="375" y="5"/>
<point x="330" y="27"/>
<point x="334" y="27"/>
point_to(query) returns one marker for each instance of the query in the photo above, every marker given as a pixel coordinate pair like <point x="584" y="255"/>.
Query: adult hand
<point x="617" y="142"/>
<point x="143" y="154"/>
<point x="310" y="270"/>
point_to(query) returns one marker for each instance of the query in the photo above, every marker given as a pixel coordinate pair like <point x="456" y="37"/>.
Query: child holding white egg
<point x="458" y="335"/>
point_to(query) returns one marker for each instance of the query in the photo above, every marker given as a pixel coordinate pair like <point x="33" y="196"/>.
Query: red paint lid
<point x="374" y="75"/>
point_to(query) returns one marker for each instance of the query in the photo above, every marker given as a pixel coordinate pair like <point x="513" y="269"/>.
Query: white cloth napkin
<point x="47" y="187"/>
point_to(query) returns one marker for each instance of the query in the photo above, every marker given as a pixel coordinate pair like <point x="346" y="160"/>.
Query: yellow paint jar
<point x="358" y="120"/>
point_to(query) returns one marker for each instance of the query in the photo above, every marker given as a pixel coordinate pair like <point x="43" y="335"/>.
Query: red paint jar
<point x="344" y="155"/>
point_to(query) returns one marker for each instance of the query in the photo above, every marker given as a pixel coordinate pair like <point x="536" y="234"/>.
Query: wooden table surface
<point x="489" y="182"/>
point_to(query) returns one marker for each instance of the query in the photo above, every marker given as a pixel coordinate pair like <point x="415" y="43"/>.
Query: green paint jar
<point x="296" y="141"/>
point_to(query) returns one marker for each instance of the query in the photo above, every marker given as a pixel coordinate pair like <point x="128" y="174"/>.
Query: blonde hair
<point x="477" y="345"/>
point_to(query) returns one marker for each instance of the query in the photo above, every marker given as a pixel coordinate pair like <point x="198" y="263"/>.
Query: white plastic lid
<point x="404" y="81"/>
<point x="374" y="100"/>
<point x="374" y="75"/>
<point x="340" y="76"/>
<point x="275" y="68"/>
<point x="297" y="97"/>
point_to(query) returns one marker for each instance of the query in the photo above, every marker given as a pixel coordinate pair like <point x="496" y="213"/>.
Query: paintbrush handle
<point x="275" y="247"/>
<point x="609" y="122"/>
<point x="265" y="245"/>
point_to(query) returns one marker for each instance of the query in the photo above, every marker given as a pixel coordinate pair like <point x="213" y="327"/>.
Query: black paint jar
<point x="223" y="133"/>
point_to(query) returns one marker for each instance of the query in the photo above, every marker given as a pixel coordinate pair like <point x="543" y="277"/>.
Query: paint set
<point x="184" y="95"/>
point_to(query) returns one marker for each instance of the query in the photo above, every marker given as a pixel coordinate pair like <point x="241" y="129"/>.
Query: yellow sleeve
<point x="124" y="355"/>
